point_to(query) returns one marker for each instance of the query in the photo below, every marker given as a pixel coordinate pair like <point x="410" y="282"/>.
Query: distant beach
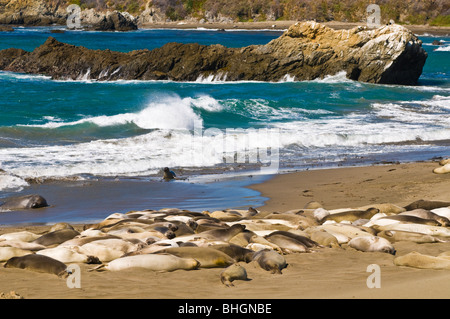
<point x="283" y="25"/>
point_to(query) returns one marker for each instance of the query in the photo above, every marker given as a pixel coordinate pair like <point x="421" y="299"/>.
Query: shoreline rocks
<point x="390" y="54"/>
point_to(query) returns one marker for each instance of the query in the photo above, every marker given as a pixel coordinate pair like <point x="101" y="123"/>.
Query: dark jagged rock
<point x="390" y="55"/>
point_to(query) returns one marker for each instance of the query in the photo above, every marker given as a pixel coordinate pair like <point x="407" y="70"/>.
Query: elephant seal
<point x="417" y="260"/>
<point x="398" y="235"/>
<point x="412" y="220"/>
<point x="23" y="202"/>
<point x="290" y="242"/>
<point x="155" y="262"/>
<point x="351" y="215"/>
<point x="232" y="273"/>
<point x="224" y="234"/>
<point x="442" y="169"/>
<point x="426" y="204"/>
<point x="385" y="208"/>
<point x="60" y="226"/>
<point x="372" y="244"/>
<point x="38" y="263"/>
<point x="416" y="228"/>
<point x="236" y="252"/>
<point x="324" y="238"/>
<point x="270" y="260"/>
<point x="444" y="162"/>
<point x="168" y="174"/>
<point x="426" y="214"/>
<point x="68" y="255"/>
<point x="25" y="236"/>
<point x="9" y="252"/>
<point x="206" y="256"/>
<point x="56" y="237"/>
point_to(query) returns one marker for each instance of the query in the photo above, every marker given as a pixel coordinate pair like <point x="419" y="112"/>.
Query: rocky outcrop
<point x="111" y="21"/>
<point x="390" y="55"/>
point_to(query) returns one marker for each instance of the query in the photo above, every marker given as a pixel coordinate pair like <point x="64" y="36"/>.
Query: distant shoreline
<point x="282" y="25"/>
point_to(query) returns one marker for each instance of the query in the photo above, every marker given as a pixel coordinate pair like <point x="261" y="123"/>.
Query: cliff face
<point x="390" y="55"/>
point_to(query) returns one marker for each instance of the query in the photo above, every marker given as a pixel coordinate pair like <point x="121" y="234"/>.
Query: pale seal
<point x="155" y="262"/>
<point x="270" y="260"/>
<point x="372" y="244"/>
<point x="208" y="257"/>
<point x="417" y="260"/>
<point x="38" y="263"/>
<point x="69" y="255"/>
<point x="9" y="252"/>
<point x="232" y="273"/>
<point x="21" y="236"/>
<point x="351" y="215"/>
<point x="442" y="170"/>
<point x="398" y="235"/>
<point x="23" y="202"/>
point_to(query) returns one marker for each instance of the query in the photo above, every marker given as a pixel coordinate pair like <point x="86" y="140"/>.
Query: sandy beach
<point x="326" y="273"/>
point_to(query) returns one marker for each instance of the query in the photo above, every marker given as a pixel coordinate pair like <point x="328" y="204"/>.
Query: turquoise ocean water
<point x="131" y="129"/>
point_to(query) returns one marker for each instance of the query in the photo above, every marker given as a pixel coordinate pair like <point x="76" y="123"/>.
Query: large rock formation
<point x="390" y="54"/>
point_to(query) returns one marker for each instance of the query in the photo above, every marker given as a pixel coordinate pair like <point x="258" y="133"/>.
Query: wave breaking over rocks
<point x="391" y="54"/>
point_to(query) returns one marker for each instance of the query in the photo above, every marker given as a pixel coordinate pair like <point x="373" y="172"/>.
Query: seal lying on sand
<point x="208" y="257"/>
<point x="426" y="204"/>
<point x="39" y="263"/>
<point x="156" y="262"/>
<point x="23" y="202"/>
<point x="232" y="273"/>
<point x="417" y="260"/>
<point x="372" y="244"/>
<point x="270" y="260"/>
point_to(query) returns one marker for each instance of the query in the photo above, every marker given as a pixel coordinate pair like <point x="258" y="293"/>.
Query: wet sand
<point x="326" y="273"/>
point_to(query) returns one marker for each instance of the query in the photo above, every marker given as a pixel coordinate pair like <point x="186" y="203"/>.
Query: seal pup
<point x="168" y="174"/>
<point x="232" y="273"/>
<point x="206" y="256"/>
<point x="270" y="260"/>
<point x="155" y="262"/>
<point x="426" y="204"/>
<point x="417" y="260"/>
<point x="372" y="244"/>
<point x="38" y="263"/>
<point x="23" y="202"/>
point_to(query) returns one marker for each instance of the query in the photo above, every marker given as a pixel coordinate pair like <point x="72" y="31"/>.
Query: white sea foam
<point x="11" y="183"/>
<point x="163" y="112"/>
<point x="445" y="48"/>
